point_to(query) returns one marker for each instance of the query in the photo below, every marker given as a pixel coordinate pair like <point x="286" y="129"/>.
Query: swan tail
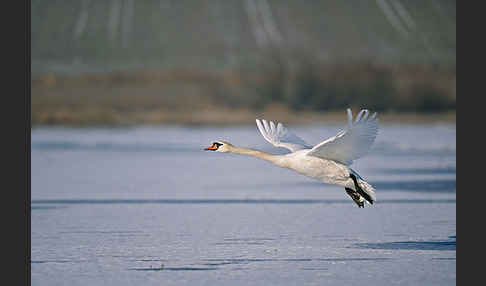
<point x="363" y="188"/>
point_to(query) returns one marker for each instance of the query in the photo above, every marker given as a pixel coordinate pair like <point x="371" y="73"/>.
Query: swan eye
<point x="217" y="144"/>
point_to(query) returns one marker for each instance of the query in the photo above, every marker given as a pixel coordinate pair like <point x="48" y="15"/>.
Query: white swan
<point x="328" y="161"/>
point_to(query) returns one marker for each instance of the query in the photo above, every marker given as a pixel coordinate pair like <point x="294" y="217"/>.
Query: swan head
<point x="219" y="146"/>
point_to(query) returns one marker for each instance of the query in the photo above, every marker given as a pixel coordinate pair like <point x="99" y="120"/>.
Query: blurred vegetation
<point x="129" y="62"/>
<point x="176" y="96"/>
<point x="310" y="85"/>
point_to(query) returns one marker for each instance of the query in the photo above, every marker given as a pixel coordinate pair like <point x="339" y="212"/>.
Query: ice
<point x="147" y="206"/>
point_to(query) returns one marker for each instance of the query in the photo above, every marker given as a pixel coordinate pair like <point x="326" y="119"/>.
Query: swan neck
<point x="255" y="153"/>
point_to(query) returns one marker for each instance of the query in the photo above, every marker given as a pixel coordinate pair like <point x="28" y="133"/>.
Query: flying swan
<point x="328" y="161"/>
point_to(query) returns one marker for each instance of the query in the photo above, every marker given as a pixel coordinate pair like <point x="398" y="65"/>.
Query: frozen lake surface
<point x="147" y="206"/>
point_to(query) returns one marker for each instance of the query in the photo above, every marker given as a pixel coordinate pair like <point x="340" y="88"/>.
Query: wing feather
<point x="351" y="143"/>
<point x="279" y="136"/>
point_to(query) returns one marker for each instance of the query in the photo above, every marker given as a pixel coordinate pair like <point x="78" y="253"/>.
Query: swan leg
<point x="360" y="190"/>
<point x="356" y="197"/>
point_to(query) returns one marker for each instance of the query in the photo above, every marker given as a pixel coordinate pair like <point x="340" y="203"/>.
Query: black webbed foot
<point x="360" y="190"/>
<point x="355" y="196"/>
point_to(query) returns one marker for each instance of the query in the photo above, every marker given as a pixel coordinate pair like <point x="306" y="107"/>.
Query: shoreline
<point x="225" y="117"/>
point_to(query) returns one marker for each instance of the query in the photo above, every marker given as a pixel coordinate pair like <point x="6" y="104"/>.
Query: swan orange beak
<point x="211" y="148"/>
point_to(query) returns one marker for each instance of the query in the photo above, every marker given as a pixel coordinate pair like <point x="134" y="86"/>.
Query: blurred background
<point x="125" y="62"/>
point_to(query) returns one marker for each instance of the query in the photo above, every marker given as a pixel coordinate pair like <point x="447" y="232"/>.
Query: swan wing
<point x="351" y="143"/>
<point x="279" y="136"/>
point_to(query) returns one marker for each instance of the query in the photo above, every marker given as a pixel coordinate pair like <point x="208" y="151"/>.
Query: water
<point x="147" y="206"/>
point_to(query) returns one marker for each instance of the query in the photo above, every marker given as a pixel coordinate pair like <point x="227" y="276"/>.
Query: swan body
<point x="328" y="161"/>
